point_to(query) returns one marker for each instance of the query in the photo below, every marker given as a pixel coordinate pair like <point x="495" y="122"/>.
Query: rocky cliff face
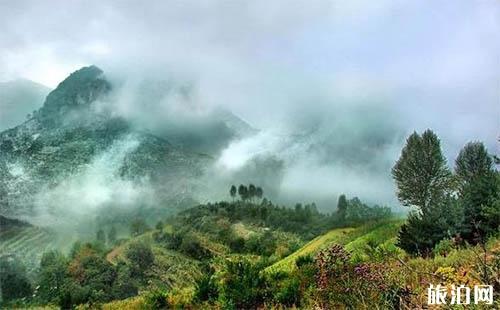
<point x="68" y="141"/>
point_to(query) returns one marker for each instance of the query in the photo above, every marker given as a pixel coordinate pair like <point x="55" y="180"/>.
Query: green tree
<point x="14" y="283"/>
<point x="419" y="235"/>
<point x="243" y="192"/>
<point x="138" y="227"/>
<point x="252" y="190"/>
<point x="125" y="285"/>
<point x="342" y="207"/>
<point x="473" y="162"/>
<point x="140" y="256"/>
<point x="242" y="285"/>
<point x="421" y="174"/>
<point x="192" y="247"/>
<point x="479" y="189"/>
<point x="159" y="225"/>
<point x="232" y="192"/>
<point x="52" y="276"/>
<point x="423" y="180"/>
<point x="91" y="278"/>
<point x="259" y="192"/>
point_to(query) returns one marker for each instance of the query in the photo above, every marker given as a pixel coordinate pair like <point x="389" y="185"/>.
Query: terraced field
<point x="26" y="243"/>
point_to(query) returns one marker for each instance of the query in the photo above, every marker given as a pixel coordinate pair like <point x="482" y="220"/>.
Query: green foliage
<point x="342" y="283"/>
<point x="138" y="227"/>
<point x="159" y="225"/>
<point x="140" y="256"/>
<point x="444" y="247"/>
<point x="303" y="260"/>
<point x="52" y="276"/>
<point x="342" y="207"/>
<point x="421" y="174"/>
<point x="236" y="244"/>
<point x="288" y="292"/>
<point x="472" y="162"/>
<point x="305" y="221"/>
<point x="243" y="192"/>
<point x="206" y="287"/>
<point x="157" y="299"/>
<point x="14" y="282"/>
<point x="125" y="284"/>
<point x="356" y="212"/>
<point x="192" y="247"/>
<point x="264" y="244"/>
<point x="85" y="278"/>
<point x="232" y="191"/>
<point x="481" y="208"/>
<point x="420" y="234"/>
<point x="241" y="285"/>
<point x="479" y="192"/>
<point x="246" y="193"/>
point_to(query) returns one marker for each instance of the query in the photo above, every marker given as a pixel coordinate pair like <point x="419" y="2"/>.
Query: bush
<point x="241" y="286"/>
<point x="304" y="260"/>
<point x="206" y="289"/>
<point x="342" y="283"/>
<point x="420" y="234"/>
<point x="138" y="227"/>
<point x="124" y="286"/>
<point x="192" y="247"/>
<point x="237" y="244"/>
<point x="52" y="276"/>
<point x="264" y="244"/>
<point x="444" y="247"/>
<point x="140" y="256"/>
<point x="156" y="299"/>
<point x="288" y="293"/>
<point x="13" y="280"/>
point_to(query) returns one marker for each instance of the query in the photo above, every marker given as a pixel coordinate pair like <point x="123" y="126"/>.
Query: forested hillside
<point x="249" y="253"/>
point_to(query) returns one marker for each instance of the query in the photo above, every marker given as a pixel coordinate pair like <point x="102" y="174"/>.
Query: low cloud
<point x="333" y="87"/>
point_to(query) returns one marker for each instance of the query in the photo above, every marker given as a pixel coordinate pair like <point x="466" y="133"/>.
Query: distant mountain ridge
<point x="66" y="142"/>
<point x="19" y="98"/>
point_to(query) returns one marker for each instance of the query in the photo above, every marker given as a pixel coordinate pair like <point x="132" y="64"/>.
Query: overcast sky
<point x="422" y="63"/>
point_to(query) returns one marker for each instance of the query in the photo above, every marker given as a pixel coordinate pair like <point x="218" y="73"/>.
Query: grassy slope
<point x="353" y="238"/>
<point x="457" y="265"/>
<point x="380" y="234"/>
<point x="170" y="269"/>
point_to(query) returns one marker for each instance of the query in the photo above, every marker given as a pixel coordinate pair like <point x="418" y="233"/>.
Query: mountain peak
<point x="77" y="91"/>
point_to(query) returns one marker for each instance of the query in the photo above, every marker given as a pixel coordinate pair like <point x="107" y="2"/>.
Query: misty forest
<point x="315" y="155"/>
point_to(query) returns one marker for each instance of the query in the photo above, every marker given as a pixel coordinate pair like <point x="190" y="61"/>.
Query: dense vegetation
<point x="463" y="206"/>
<point x="248" y="253"/>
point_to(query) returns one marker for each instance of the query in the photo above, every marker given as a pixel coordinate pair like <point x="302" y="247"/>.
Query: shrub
<point x="206" y="289"/>
<point x="13" y="280"/>
<point x="444" y="247"/>
<point x="52" y="275"/>
<point x="156" y="299"/>
<point x="192" y="247"/>
<point x="237" y="244"/>
<point x="342" y="283"/>
<point x="140" y="256"/>
<point x="241" y="286"/>
<point x="303" y="260"/>
<point x="288" y="293"/>
<point x="138" y="227"/>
